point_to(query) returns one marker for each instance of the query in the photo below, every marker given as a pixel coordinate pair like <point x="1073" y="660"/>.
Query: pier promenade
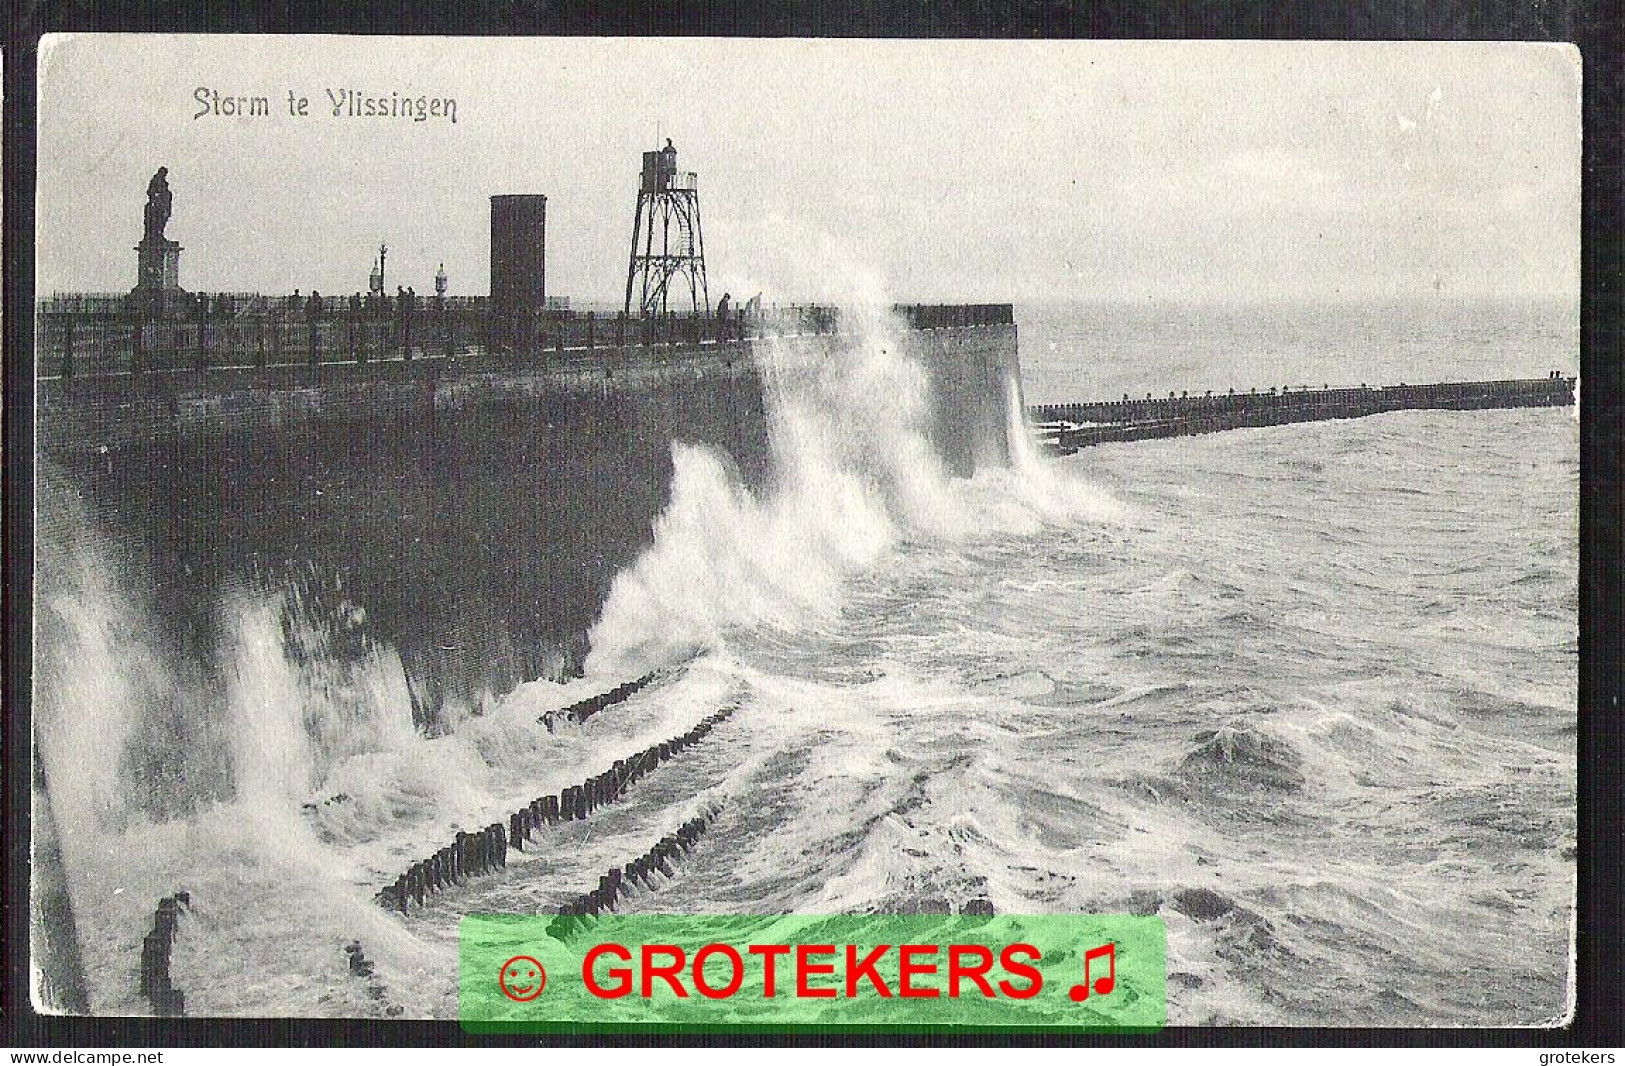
<point x="1064" y="428"/>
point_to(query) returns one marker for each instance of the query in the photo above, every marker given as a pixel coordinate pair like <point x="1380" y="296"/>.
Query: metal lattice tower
<point x="668" y="247"/>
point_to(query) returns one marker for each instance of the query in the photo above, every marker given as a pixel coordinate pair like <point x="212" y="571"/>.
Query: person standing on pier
<point x="722" y="316"/>
<point x="313" y="316"/>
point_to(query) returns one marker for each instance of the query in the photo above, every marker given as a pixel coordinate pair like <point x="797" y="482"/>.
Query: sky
<point x="963" y="171"/>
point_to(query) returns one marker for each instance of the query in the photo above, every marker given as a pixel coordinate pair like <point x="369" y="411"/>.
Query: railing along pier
<point x="89" y="335"/>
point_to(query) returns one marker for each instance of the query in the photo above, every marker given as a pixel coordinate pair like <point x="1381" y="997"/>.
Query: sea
<point x="1306" y="692"/>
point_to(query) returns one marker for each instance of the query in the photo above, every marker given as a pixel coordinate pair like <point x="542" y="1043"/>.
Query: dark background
<point x="1594" y="26"/>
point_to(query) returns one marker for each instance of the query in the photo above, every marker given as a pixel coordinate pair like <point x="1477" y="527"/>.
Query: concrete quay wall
<point x="467" y="516"/>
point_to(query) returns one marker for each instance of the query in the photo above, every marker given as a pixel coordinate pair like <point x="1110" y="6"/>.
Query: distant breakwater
<point x="1064" y="428"/>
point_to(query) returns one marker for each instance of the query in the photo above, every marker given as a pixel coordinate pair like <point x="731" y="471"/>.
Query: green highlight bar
<point x="547" y="974"/>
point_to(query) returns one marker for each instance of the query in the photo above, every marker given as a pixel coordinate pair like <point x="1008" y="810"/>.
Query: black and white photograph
<point x="590" y="476"/>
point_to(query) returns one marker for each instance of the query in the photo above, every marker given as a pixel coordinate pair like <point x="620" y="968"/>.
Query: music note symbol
<point x="1103" y="985"/>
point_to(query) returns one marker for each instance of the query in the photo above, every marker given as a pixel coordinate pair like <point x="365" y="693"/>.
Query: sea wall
<point x="467" y="515"/>
<point x="975" y="392"/>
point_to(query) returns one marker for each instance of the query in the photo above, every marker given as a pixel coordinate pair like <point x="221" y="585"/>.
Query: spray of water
<point x="1054" y="490"/>
<point x="91" y="675"/>
<point x="856" y="476"/>
<point x="272" y="859"/>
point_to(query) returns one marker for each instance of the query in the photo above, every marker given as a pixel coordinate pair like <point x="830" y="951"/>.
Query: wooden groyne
<point x="486" y="852"/>
<point x="640" y="873"/>
<point x="156" y="950"/>
<point x="1064" y="428"/>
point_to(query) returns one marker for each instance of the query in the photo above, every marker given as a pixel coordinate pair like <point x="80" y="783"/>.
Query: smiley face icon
<point x="522" y="978"/>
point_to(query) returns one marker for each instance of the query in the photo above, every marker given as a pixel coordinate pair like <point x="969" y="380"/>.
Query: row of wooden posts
<point x="474" y="854"/>
<point x="156" y="950"/>
<point x="619" y="881"/>
<point x="362" y="967"/>
<point x="578" y="712"/>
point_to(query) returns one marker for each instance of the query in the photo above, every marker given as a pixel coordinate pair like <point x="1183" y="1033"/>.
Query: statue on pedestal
<point x="159" y="201"/>
<point x="158" y="259"/>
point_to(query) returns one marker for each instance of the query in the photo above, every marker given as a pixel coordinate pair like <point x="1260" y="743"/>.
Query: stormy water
<point x="1307" y="692"/>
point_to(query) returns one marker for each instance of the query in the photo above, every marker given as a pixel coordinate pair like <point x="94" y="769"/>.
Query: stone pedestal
<point x="158" y="271"/>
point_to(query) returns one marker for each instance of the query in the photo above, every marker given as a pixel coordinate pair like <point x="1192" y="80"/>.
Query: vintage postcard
<point x="693" y="532"/>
